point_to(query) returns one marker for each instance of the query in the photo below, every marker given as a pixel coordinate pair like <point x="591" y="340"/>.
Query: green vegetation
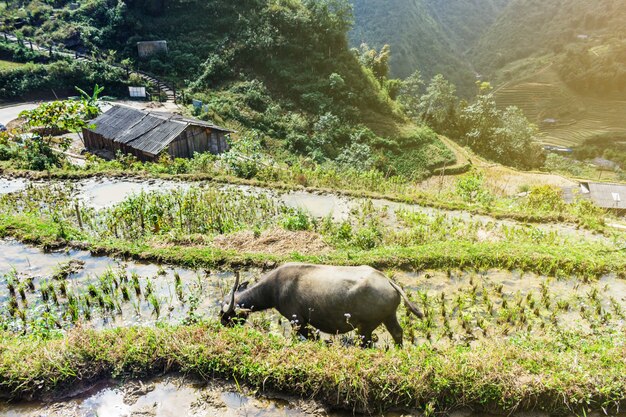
<point x="312" y="96"/>
<point x="60" y="75"/>
<point x="180" y="228"/>
<point x="9" y="65"/>
<point x="527" y="28"/>
<point x="426" y="34"/>
<point x="421" y="377"/>
<point x="505" y="136"/>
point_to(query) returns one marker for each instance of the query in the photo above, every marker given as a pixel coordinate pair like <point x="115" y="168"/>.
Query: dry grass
<point x="274" y="241"/>
<point x="500" y="180"/>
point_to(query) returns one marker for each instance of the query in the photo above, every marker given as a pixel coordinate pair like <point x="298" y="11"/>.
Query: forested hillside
<point x="280" y="71"/>
<point x="429" y="35"/>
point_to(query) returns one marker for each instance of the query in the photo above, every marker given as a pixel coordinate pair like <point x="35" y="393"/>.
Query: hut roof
<point x="610" y="196"/>
<point x="149" y="132"/>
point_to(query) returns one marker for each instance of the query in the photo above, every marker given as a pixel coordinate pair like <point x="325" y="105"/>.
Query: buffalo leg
<point x="307" y="332"/>
<point x="391" y="323"/>
<point x="366" y="337"/>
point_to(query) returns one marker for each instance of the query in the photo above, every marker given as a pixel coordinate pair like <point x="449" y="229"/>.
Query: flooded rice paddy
<point x="477" y="304"/>
<point x="56" y="291"/>
<point x="105" y="192"/>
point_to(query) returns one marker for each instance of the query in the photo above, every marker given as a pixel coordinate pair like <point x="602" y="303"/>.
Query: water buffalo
<point x="333" y="299"/>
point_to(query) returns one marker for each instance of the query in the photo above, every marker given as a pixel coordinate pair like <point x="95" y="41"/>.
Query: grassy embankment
<point x="180" y="228"/>
<point x="321" y="179"/>
<point x="564" y="373"/>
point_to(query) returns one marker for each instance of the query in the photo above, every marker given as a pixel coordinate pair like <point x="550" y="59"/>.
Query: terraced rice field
<point x="578" y="118"/>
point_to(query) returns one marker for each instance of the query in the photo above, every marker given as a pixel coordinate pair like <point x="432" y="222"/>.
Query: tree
<point x="437" y="108"/>
<point x="377" y="62"/>
<point x="503" y="136"/>
<point x="409" y="96"/>
<point x="515" y="137"/>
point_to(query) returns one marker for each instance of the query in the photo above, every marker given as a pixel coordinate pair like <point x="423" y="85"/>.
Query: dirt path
<point x="500" y="179"/>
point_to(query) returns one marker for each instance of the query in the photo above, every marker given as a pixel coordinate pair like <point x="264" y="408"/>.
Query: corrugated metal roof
<point x="145" y="131"/>
<point x="607" y="195"/>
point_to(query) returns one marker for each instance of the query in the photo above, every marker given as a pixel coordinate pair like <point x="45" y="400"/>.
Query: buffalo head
<point x="230" y="313"/>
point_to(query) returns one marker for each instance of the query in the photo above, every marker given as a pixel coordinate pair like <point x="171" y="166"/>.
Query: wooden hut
<point x="149" y="134"/>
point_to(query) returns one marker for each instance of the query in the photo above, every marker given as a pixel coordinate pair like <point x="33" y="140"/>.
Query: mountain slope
<point x="537" y="27"/>
<point x="429" y="35"/>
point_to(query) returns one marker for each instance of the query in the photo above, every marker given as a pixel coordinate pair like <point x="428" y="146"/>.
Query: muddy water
<point x="105" y="192"/>
<point x="168" y="397"/>
<point x="9" y="185"/>
<point x="204" y="290"/>
<point x="185" y="294"/>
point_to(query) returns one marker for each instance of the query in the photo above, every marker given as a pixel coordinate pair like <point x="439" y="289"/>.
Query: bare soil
<point x="276" y="241"/>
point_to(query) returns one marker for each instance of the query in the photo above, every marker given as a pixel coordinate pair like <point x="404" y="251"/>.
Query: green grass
<point x="357" y="185"/>
<point x="9" y="65"/>
<point x="560" y="373"/>
<point x="583" y="259"/>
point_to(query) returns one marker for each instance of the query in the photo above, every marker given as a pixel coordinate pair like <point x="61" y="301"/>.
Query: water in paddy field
<point x="179" y="292"/>
<point x="9" y="185"/>
<point x="105" y="192"/>
<point x="61" y="289"/>
<point x="178" y="397"/>
<point x="175" y="396"/>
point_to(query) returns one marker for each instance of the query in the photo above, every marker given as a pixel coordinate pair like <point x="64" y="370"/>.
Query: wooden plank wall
<point x="198" y="139"/>
<point x="191" y="140"/>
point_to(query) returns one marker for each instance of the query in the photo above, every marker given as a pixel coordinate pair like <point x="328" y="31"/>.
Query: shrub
<point x="470" y="188"/>
<point x="299" y="220"/>
<point x="368" y="237"/>
<point x="545" y="198"/>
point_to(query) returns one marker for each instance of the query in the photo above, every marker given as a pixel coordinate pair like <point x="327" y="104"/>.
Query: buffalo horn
<point x="231" y="304"/>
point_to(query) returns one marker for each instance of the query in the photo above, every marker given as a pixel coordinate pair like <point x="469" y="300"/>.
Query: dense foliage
<point x="590" y="71"/>
<point x="431" y="35"/>
<point x="60" y="75"/>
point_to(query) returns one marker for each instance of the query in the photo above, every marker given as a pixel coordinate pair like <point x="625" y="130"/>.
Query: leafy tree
<point x="515" y="137"/>
<point x="503" y="136"/>
<point x="377" y="62"/>
<point x="357" y="156"/>
<point x="410" y="91"/>
<point x="57" y="117"/>
<point x="437" y="108"/>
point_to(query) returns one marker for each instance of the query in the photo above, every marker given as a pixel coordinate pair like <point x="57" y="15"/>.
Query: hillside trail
<point x="165" y="88"/>
<point x="496" y="172"/>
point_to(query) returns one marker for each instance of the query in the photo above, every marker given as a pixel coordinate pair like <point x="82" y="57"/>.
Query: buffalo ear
<point x="243" y="286"/>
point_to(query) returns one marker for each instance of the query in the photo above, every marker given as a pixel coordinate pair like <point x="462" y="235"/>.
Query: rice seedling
<point x="617" y="308"/>
<point x="125" y="294"/>
<point x="30" y="284"/>
<point x="44" y="289"/>
<point x="13" y="307"/>
<point x="53" y="294"/>
<point x="22" y="291"/>
<point x="135" y="283"/>
<point x="63" y="288"/>
<point x="156" y="304"/>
